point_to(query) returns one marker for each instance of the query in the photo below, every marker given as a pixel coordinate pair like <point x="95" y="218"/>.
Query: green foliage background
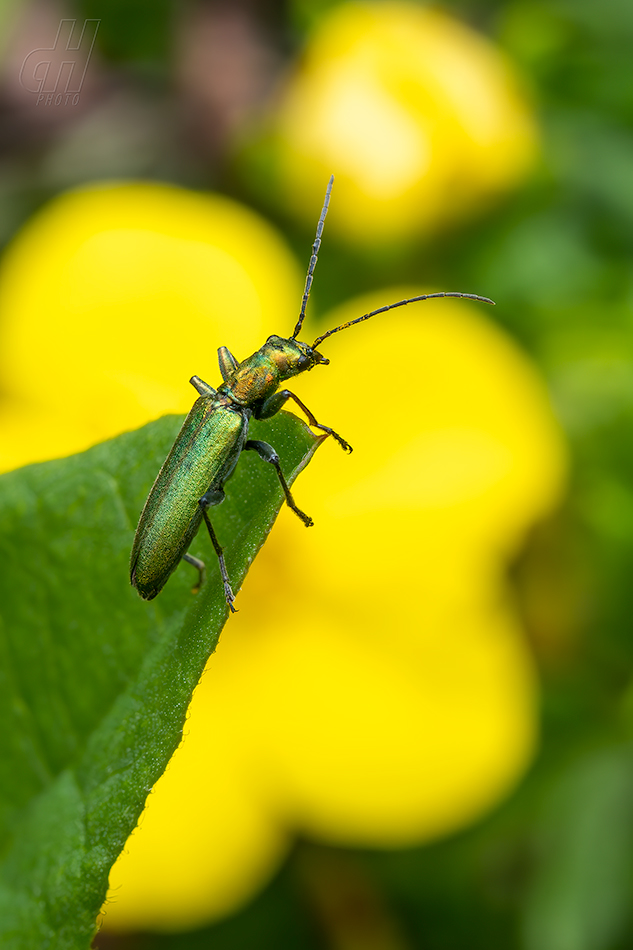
<point x="553" y="868"/>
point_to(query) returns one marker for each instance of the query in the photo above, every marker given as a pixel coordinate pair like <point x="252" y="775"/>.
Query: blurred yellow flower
<point x="375" y="688"/>
<point x="419" y="116"/>
<point x="112" y="294"/>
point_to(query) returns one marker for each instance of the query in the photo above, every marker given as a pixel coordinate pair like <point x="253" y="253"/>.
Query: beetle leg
<point x="273" y="404"/>
<point x="210" y="498"/>
<point x="228" y="363"/>
<point x="203" y="388"/>
<point x="199" y="565"/>
<point x="267" y="453"/>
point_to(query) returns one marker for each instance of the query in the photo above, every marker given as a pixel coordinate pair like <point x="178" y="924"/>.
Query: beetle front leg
<point x="267" y="453"/>
<point x="210" y="498"/>
<point x="274" y="403"/>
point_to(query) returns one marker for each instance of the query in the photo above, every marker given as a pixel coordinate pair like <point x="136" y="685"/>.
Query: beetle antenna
<point x="313" y="259"/>
<point x="400" y="303"/>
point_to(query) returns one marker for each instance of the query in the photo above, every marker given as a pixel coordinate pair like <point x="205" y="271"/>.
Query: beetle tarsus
<point x="229" y="596"/>
<point x="341" y="441"/>
<point x="337" y="438"/>
<point x="307" y="520"/>
<point x="267" y="453"/>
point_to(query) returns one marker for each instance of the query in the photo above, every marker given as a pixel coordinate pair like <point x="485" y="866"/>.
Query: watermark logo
<point x="56" y="73"/>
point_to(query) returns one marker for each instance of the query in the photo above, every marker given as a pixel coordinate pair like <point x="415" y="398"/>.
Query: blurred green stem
<point x="346" y="903"/>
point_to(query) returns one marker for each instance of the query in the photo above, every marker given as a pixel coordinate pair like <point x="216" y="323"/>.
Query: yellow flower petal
<point x="178" y="868"/>
<point x="356" y="739"/>
<point x="419" y="117"/>
<point x="114" y="295"/>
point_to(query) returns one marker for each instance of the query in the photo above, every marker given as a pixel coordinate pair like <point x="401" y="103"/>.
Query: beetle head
<point x="292" y="356"/>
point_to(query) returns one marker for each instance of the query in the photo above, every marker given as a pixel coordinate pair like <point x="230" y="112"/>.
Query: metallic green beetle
<point x="215" y="433"/>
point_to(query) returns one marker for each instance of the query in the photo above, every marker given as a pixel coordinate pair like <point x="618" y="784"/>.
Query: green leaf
<point x="580" y="893"/>
<point x="95" y="682"/>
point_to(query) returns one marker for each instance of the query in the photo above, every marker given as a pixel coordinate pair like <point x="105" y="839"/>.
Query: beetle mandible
<point x="215" y="433"/>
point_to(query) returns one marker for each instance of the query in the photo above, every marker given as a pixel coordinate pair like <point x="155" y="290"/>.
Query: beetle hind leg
<point x="199" y="566"/>
<point x="214" y="497"/>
